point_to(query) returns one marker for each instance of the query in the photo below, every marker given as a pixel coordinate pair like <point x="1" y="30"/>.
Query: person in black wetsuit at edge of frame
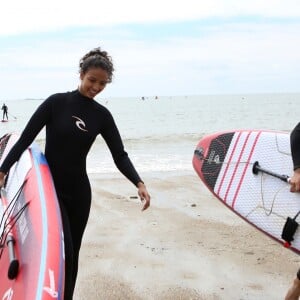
<point x="294" y="291"/>
<point x="73" y="120"/>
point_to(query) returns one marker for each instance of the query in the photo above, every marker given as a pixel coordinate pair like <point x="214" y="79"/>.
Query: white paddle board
<point x="248" y="170"/>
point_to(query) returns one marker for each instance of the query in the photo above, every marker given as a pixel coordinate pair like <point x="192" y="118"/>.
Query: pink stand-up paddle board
<point x="31" y="236"/>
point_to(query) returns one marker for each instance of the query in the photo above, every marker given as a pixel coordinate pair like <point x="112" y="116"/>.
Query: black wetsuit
<point x="295" y="146"/>
<point x="295" y="149"/>
<point x="72" y="123"/>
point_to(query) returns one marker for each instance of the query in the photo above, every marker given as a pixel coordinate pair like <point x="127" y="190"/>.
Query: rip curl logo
<point x="79" y="123"/>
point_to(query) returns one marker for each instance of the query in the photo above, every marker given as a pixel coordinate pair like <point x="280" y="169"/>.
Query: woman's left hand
<point x="144" y="195"/>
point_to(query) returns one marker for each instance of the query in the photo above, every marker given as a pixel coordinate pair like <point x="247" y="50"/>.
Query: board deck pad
<point x="225" y="163"/>
<point x="37" y="230"/>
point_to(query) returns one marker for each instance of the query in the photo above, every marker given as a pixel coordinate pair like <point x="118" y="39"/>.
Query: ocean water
<point x="161" y="134"/>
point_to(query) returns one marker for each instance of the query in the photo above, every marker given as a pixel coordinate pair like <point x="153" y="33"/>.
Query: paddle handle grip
<point x="13" y="268"/>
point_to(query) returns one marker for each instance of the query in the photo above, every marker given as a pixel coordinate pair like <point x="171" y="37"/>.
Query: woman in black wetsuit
<point x="73" y="120"/>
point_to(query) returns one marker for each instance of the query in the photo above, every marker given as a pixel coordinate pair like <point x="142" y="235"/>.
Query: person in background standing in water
<point x="294" y="291"/>
<point x="5" y="112"/>
<point x="73" y="120"/>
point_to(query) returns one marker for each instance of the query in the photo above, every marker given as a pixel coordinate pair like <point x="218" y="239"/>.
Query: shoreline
<point x="187" y="245"/>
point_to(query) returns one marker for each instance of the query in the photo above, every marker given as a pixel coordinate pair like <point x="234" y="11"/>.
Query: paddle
<point x="291" y="224"/>
<point x="13" y="268"/>
<point x="12" y="116"/>
<point x="257" y="168"/>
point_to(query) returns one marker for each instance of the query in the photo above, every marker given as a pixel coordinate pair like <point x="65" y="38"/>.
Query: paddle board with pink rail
<point x="248" y="171"/>
<point x="31" y="236"/>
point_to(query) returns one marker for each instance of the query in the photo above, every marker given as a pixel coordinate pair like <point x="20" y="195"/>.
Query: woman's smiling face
<point x="93" y="81"/>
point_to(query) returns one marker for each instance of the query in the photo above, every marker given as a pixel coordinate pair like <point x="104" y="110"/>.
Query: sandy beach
<point x="187" y="245"/>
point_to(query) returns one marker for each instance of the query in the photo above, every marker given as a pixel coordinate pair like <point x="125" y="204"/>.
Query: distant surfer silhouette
<point x="5" y="114"/>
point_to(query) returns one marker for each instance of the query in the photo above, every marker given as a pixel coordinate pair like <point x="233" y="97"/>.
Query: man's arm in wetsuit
<point x="295" y="146"/>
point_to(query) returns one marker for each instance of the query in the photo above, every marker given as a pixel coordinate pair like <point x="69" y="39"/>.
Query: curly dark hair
<point x="97" y="58"/>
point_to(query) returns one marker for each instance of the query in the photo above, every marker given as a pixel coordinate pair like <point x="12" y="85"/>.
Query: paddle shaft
<point x="13" y="268"/>
<point x="257" y="168"/>
<point x="12" y="115"/>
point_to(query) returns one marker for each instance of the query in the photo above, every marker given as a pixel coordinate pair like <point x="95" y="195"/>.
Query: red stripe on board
<point x="228" y="163"/>
<point x="245" y="169"/>
<point x="236" y="166"/>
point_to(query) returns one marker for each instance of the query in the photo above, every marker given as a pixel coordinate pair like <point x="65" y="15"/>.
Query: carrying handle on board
<point x="288" y="231"/>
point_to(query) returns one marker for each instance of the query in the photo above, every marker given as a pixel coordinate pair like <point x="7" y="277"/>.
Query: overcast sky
<point x="158" y="47"/>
